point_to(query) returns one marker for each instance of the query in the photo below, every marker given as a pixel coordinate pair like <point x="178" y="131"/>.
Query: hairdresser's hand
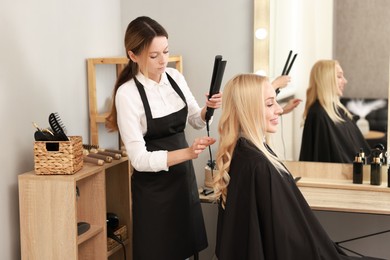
<point x="291" y="104"/>
<point x="200" y="144"/>
<point x="281" y="82"/>
<point x="215" y="101"/>
<point x="178" y="156"/>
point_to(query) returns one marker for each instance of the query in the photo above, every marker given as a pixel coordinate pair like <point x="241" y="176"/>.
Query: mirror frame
<point x="388" y="117"/>
<point x="261" y="54"/>
<point x="261" y="50"/>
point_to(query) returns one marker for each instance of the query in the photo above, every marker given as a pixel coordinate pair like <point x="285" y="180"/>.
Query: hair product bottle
<point x="357" y="174"/>
<point x="388" y="176"/>
<point x="376" y="166"/>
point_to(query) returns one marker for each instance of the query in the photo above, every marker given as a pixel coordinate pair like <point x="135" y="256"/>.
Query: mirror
<point x="306" y="27"/>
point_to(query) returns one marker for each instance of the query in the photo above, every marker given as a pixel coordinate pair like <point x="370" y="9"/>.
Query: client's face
<point x="341" y="80"/>
<point x="272" y="108"/>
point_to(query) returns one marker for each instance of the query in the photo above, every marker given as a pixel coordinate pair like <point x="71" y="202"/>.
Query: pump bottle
<point x="357" y="175"/>
<point x="376" y="166"/>
<point x="388" y="176"/>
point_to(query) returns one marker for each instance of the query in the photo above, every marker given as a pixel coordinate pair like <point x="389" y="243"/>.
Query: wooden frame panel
<point x="96" y="118"/>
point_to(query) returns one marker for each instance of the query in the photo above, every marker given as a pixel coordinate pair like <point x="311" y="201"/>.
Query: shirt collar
<point x="147" y="83"/>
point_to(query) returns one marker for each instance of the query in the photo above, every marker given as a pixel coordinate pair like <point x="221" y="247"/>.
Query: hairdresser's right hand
<point x="281" y="81"/>
<point x="291" y="105"/>
<point x="200" y="144"/>
<point x="215" y="101"/>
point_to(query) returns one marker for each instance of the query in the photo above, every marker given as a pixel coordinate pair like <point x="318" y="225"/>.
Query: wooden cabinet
<point x="52" y="205"/>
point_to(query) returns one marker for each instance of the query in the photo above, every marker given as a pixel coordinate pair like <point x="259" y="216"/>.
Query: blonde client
<point x="262" y="213"/>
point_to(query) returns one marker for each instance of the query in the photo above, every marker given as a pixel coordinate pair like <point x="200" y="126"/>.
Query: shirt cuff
<point x="158" y="162"/>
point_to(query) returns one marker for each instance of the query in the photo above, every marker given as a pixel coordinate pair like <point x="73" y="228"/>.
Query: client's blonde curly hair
<point x="242" y="116"/>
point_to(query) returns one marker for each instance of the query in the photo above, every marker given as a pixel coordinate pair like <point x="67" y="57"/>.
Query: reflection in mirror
<point x="362" y="45"/>
<point x="329" y="133"/>
<point x="307" y="28"/>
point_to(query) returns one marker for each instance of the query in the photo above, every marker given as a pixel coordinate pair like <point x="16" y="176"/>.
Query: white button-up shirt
<point x="163" y="100"/>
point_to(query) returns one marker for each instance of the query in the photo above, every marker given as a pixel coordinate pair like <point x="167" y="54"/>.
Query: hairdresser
<point x="152" y="106"/>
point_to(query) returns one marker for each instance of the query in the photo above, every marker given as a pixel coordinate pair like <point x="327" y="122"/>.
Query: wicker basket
<point x="62" y="157"/>
<point x="121" y="233"/>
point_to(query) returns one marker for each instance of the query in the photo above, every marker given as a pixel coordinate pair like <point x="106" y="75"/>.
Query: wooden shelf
<point x="118" y="248"/>
<point x="93" y="231"/>
<point x="329" y="187"/>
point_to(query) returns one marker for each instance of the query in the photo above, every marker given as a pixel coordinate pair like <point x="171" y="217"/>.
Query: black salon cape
<point x="266" y="216"/>
<point x="325" y="141"/>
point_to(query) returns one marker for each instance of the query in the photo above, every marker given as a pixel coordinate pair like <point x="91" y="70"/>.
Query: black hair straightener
<point x="287" y="67"/>
<point x="215" y="86"/>
<point x="216" y="80"/>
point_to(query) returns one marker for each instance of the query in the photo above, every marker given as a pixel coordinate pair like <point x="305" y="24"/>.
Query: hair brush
<point x="57" y="127"/>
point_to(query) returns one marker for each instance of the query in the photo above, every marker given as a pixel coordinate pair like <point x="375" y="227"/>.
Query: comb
<point x="42" y="134"/>
<point x="57" y="127"/>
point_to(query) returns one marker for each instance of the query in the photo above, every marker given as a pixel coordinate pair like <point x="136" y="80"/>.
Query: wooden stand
<point x="51" y="206"/>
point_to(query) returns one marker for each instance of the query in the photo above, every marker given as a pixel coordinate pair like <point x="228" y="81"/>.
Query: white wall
<point x="44" y="45"/>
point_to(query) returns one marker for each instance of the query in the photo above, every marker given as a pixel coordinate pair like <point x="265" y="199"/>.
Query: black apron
<point x="167" y="216"/>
